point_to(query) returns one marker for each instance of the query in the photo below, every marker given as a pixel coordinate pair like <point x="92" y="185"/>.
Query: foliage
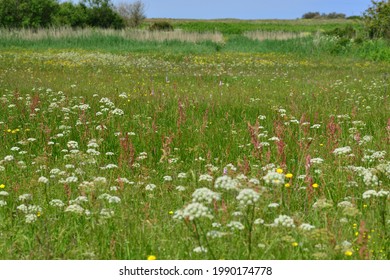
<point x="101" y="14"/>
<point x="46" y="13"/>
<point x="72" y="15"/>
<point x="27" y="13"/>
<point x="317" y="15"/>
<point x="377" y="20"/>
<point x="311" y="15"/>
<point x="161" y="26"/>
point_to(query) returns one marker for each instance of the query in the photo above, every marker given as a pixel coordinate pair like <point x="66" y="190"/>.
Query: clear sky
<point x="248" y="9"/>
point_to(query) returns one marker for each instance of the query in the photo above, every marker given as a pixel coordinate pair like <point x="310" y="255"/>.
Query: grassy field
<point x="115" y="148"/>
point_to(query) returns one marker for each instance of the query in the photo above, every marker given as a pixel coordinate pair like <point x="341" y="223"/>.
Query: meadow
<point x="120" y="148"/>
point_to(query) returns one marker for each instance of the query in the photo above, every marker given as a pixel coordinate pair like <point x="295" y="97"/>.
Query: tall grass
<point x="128" y="34"/>
<point x="247" y="138"/>
<point x="274" y="35"/>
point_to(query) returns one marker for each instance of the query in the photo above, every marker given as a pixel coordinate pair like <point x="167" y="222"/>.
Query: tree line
<point x="85" y="13"/>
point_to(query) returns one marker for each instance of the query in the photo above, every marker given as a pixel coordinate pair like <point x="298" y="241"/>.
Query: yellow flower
<point x="170" y="212"/>
<point x="279" y="170"/>
<point x="2" y="186"/>
<point x="294" y="244"/>
<point x="151" y="258"/>
<point x="289" y="175"/>
<point x="287" y="185"/>
<point x="348" y="253"/>
<point x="315" y="185"/>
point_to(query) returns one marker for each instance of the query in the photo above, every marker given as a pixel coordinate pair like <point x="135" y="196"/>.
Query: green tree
<point x="101" y="13"/>
<point x="27" y="13"/>
<point x="72" y="15"/>
<point x="377" y="20"/>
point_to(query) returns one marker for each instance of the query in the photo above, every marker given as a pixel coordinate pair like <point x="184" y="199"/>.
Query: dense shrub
<point x="27" y="13"/>
<point x="161" y="26"/>
<point x="46" y="13"/>
<point x="377" y="20"/>
<point x="317" y="15"/>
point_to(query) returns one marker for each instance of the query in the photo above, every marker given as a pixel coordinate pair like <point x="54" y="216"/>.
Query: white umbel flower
<point x="205" y="195"/>
<point x="342" y="150"/>
<point x="285" y="221"/>
<point x="193" y="211"/>
<point x="247" y="197"/>
<point x="227" y="183"/>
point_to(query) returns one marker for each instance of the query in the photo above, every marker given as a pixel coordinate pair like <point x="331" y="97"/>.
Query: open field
<point x="122" y="149"/>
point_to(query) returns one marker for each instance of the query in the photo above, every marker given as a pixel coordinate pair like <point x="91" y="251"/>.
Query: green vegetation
<point x="377" y="20"/>
<point x="116" y="148"/>
<point x="137" y="144"/>
<point x="237" y="27"/>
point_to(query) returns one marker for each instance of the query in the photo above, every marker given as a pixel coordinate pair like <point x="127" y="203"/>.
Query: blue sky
<point x="248" y="9"/>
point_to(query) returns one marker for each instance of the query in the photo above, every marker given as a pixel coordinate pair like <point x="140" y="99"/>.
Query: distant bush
<point x="355" y="17"/>
<point x="161" y="26"/>
<point x="317" y="15"/>
<point x="311" y="15"/>
<point x="347" y="32"/>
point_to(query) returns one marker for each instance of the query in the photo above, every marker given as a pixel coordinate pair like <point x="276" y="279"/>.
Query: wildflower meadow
<point x="192" y="150"/>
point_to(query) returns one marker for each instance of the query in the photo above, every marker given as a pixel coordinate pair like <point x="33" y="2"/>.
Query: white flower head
<point x="234" y="225"/>
<point x="205" y="195"/>
<point x="274" y="178"/>
<point x="247" y="197"/>
<point x="284" y="220"/>
<point x="227" y="183"/>
<point x="342" y="150"/>
<point x="193" y="211"/>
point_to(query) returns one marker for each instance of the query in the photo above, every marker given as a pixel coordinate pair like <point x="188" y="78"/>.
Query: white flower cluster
<point x="284" y="220"/>
<point x="247" y="197"/>
<point x="106" y="213"/>
<point x="72" y="145"/>
<point x="227" y="183"/>
<point x="384" y="168"/>
<point x="79" y="200"/>
<point x="75" y="208"/>
<point x="109" y="198"/>
<point x="274" y="178"/>
<point x="234" y="225"/>
<point x="193" y="211"/>
<point x="43" y="180"/>
<point x="205" y="195"/>
<point x="373" y="193"/>
<point x="150" y="187"/>
<point x="200" y="249"/>
<point x="316" y="161"/>
<point x="306" y="227"/>
<point x="31" y="211"/>
<point x="205" y="177"/>
<point x="368" y="176"/>
<point x="345" y="204"/>
<point x="372" y="156"/>
<point x="56" y="203"/>
<point x="342" y="150"/>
